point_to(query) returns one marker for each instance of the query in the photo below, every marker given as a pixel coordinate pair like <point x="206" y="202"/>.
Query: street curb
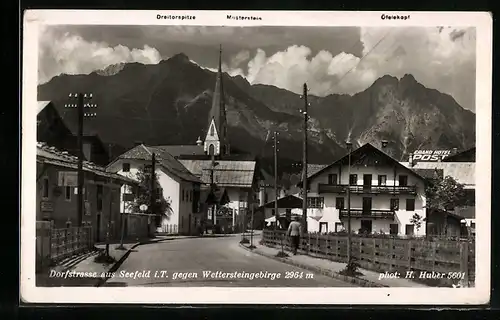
<point x="325" y="272"/>
<point x="117" y="264"/>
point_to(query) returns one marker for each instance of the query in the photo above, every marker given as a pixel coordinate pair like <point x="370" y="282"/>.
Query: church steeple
<point x="216" y="141"/>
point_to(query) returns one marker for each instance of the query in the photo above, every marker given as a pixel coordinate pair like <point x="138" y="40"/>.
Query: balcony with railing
<point x="373" y="213"/>
<point x="361" y="189"/>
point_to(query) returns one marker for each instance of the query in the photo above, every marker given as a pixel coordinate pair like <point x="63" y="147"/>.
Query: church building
<point x="230" y="181"/>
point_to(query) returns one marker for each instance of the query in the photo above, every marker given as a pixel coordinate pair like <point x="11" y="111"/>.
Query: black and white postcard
<point x="213" y="157"/>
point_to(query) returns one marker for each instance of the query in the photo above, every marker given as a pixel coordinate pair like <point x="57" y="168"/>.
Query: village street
<point x="199" y="255"/>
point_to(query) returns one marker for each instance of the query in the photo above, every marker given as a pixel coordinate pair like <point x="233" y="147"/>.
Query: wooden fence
<point x="454" y="257"/>
<point x="54" y="245"/>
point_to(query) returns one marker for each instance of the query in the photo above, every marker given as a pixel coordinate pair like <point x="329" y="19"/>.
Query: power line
<point x="363" y="57"/>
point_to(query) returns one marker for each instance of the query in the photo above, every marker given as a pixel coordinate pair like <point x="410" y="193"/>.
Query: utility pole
<point x="304" y="161"/>
<point x="276" y="214"/>
<point x="80" y="105"/>
<point x="349" y="236"/>
<point x="153" y="189"/>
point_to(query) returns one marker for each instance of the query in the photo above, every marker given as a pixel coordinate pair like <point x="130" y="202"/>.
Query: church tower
<point x="216" y="142"/>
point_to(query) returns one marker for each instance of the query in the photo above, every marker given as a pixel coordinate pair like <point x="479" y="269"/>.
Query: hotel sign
<point x="430" y="155"/>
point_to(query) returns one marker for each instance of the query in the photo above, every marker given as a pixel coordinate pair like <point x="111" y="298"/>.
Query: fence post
<point x="464" y="263"/>
<point x="409" y="254"/>
<point x="308" y="243"/>
<point x="374" y="253"/>
<point x="391" y="246"/>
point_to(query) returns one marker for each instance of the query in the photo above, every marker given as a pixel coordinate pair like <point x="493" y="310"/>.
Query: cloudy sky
<point x="329" y="59"/>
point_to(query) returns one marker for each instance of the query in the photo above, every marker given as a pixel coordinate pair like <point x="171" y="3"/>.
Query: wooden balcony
<point x="361" y="214"/>
<point x="360" y="189"/>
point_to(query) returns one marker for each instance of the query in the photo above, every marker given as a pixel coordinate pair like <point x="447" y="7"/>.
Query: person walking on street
<point x="294" y="234"/>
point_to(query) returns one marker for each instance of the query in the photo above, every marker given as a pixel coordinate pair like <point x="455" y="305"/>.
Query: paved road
<point x="198" y="256"/>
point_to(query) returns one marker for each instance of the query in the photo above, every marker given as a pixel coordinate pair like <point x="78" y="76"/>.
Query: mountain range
<point x="169" y="103"/>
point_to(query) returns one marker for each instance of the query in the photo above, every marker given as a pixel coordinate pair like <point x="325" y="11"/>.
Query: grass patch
<point x="252" y="247"/>
<point x="351" y="269"/>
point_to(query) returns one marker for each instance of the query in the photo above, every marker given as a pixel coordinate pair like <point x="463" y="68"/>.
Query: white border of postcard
<point x="480" y="294"/>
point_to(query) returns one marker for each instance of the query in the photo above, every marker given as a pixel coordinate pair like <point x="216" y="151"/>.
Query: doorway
<point x="367" y="206"/>
<point x="366" y="226"/>
<point x="367" y="181"/>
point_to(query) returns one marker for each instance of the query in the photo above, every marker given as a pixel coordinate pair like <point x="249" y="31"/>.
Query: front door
<point x="366" y="226"/>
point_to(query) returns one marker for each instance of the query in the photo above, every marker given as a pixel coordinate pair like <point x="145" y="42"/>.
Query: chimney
<point x="199" y="142"/>
<point x="410" y="160"/>
<point x="455" y="151"/>
<point x="384" y="144"/>
<point x="137" y="143"/>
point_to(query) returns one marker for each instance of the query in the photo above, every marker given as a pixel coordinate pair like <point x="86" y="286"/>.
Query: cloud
<point x="439" y="58"/>
<point x="71" y="54"/>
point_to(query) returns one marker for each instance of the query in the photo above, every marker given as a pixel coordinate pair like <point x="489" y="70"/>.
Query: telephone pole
<point x="304" y="161"/>
<point x="153" y="190"/>
<point x="276" y="214"/>
<point x="82" y="102"/>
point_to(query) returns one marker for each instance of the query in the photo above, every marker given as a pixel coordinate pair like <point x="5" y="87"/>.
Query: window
<point x="211" y="150"/>
<point x="393" y="229"/>
<point x="126" y="167"/>
<point x="191" y="195"/>
<point x="410" y="204"/>
<point x="332" y="179"/>
<point x="338" y="226"/>
<point x="99" y="197"/>
<point x="353" y="179"/>
<point x="339" y="203"/>
<point x="403" y="181"/>
<point x="212" y="130"/>
<point x="395" y="204"/>
<point x="473" y="225"/>
<point x="273" y="212"/>
<point x="45" y="188"/>
<point x="182" y="194"/>
<point x="323" y="227"/>
<point x="266" y="197"/>
<point x="159" y="193"/>
<point x="382" y="180"/>
<point x="409" y="229"/>
<point x="315" y="202"/>
<point x="67" y="193"/>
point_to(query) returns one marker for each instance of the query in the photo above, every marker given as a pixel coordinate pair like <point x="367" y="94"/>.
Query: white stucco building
<point x="176" y="184"/>
<point x="385" y="195"/>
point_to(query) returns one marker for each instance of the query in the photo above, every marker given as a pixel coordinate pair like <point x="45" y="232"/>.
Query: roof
<point x="218" y="110"/>
<point x="288" y="202"/>
<point x="462" y="172"/>
<point x="468" y="212"/>
<point x="430" y="173"/>
<point x="53" y="156"/>
<point x="179" y="150"/>
<point x="42" y="105"/>
<point x="165" y="159"/>
<point x="358" y="153"/>
<point x="227" y="173"/>
<point x="469" y="155"/>
<point x="312" y="169"/>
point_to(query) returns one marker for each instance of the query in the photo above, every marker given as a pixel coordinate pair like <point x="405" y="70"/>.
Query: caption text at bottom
<point x="164" y="274"/>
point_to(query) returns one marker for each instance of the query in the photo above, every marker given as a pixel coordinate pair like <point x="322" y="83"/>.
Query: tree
<point x="416" y="220"/>
<point x="445" y="194"/>
<point x="161" y="206"/>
